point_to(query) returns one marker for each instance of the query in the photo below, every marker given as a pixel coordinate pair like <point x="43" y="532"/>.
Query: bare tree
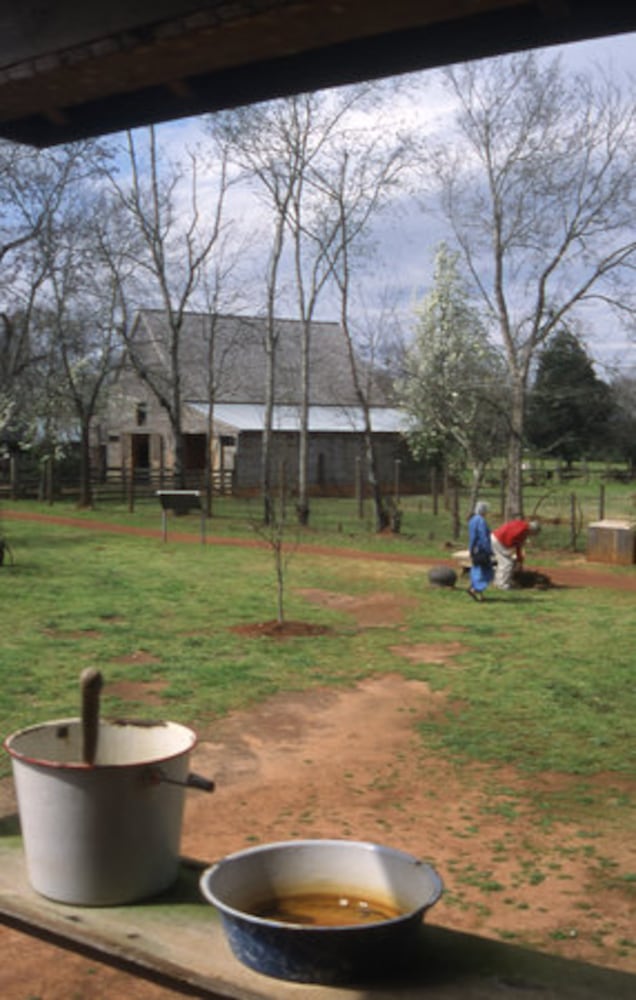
<point x="33" y="188"/>
<point x="83" y="316"/>
<point x="312" y="124"/>
<point x="170" y="243"/>
<point x="278" y="144"/>
<point x="355" y="185"/>
<point x="218" y="299"/>
<point x="538" y="184"/>
<point x="246" y="132"/>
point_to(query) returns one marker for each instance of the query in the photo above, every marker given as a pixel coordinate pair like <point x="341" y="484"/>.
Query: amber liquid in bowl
<point x="326" y="910"/>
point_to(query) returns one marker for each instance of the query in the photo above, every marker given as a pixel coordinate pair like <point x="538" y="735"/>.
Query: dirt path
<point x="573" y="572"/>
<point x="349" y="764"/>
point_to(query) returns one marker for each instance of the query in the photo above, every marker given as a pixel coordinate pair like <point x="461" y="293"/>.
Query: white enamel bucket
<point x="108" y="832"/>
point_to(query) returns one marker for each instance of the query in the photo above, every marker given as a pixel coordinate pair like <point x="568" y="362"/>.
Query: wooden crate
<point x="611" y="542"/>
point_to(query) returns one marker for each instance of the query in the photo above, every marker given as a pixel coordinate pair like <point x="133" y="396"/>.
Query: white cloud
<point x="408" y="236"/>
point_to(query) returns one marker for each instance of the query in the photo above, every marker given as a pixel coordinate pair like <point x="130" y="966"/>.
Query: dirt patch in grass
<point x="430" y="652"/>
<point x="281" y="630"/>
<point x="371" y="611"/>
<point x="146" y="692"/>
<point x="349" y="763"/>
<point x="138" y="657"/>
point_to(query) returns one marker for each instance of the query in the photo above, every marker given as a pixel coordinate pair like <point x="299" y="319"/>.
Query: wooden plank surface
<point x="177" y="940"/>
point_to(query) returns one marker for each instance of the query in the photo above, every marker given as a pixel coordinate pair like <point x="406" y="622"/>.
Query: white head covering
<point x="481" y="507"/>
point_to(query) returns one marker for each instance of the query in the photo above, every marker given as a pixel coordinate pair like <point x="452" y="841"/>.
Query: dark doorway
<point x="141" y="451"/>
<point x="194" y="446"/>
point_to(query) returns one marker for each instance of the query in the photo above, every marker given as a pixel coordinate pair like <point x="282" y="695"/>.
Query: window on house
<point x="142" y="414"/>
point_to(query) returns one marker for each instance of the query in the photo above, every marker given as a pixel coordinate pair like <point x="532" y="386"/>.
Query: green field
<point x="541" y="683"/>
<point x="543" y="667"/>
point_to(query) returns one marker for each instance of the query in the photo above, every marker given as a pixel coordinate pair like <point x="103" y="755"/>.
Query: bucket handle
<point x="90" y="685"/>
<point x="157" y="775"/>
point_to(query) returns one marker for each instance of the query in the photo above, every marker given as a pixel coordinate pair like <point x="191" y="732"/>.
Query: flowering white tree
<point x="453" y="386"/>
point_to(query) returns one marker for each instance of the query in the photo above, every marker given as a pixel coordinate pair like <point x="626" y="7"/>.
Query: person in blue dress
<point x="480" y="548"/>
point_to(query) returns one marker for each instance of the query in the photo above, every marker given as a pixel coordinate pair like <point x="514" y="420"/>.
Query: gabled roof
<point x="240" y="359"/>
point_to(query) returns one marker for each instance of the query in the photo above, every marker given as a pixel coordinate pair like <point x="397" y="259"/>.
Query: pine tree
<point x="569" y="406"/>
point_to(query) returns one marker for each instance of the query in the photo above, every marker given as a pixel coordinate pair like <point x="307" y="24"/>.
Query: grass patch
<point x="545" y="690"/>
<point x="544" y="684"/>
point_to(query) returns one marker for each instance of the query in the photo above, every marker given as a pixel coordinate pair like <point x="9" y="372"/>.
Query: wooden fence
<point x="116" y="486"/>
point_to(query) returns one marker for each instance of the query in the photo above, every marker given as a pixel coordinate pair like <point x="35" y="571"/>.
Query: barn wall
<point x="132" y="415"/>
<point x="334" y="459"/>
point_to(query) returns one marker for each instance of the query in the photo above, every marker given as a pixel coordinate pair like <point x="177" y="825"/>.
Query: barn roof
<point x="322" y="419"/>
<point x="240" y="359"/>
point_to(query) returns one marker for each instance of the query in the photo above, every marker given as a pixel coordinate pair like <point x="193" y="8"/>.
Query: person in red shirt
<point x="507" y="547"/>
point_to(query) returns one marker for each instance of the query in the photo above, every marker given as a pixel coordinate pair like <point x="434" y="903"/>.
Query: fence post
<point x="502" y="492"/>
<point x="396" y="482"/>
<point x="359" y="487"/>
<point x="456" y="523"/>
<point x="435" y="491"/>
<point x="573" y="521"/>
<point x="14" y="476"/>
<point x="131" y="481"/>
<point x="601" y="502"/>
<point x="49" y="479"/>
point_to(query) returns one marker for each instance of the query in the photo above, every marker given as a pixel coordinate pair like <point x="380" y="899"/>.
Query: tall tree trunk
<point x="303" y="444"/>
<point x="381" y="513"/>
<point x="209" y="430"/>
<point x="514" y="492"/>
<point x="85" y="492"/>
<point x="208" y="471"/>
<point x="478" y="469"/>
<point x="270" y="372"/>
<point x="179" y="475"/>
<point x="266" y="451"/>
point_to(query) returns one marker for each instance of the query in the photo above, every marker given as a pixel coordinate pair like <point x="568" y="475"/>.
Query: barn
<point x="221" y="365"/>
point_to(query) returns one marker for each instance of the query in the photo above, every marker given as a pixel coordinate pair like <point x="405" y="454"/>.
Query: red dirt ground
<point x="349" y="764"/>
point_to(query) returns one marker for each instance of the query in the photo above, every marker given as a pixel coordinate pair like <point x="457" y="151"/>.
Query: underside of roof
<point x="71" y="69"/>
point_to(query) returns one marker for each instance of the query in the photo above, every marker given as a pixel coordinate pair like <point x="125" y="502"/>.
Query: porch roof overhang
<point x="238" y="417"/>
<point x="71" y="69"/>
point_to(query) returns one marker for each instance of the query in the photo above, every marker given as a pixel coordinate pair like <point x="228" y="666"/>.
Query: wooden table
<point x="177" y="940"/>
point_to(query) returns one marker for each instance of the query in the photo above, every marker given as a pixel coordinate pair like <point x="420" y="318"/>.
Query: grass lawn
<point x="549" y="683"/>
<point x="541" y="681"/>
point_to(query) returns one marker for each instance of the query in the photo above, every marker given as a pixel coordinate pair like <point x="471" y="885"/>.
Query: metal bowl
<point x="372" y="898"/>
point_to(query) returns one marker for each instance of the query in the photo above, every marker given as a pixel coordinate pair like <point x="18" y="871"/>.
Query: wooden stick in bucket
<point x="91" y="685"/>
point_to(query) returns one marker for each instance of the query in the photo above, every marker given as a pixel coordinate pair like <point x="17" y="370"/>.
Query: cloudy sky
<point x="407" y="236"/>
